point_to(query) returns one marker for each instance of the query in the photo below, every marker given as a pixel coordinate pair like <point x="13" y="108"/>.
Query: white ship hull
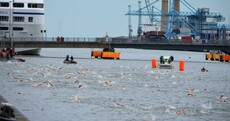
<point x="166" y="66"/>
<point x="28" y="51"/>
<point x="22" y="20"/>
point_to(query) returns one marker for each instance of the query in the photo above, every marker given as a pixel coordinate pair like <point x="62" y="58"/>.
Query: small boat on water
<point x="12" y="59"/>
<point x="165" y="62"/>
<point x="8" y="54"/>
<point x="20" y="59"/>
<point x="69" y="62"/>
<point x="165" y="66"/>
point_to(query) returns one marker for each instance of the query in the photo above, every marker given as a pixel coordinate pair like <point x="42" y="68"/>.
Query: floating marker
<point x="181" y="66"/>
<point x="154" y="63"/>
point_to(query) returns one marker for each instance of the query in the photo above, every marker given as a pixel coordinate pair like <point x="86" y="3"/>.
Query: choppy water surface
<point x="43" y="88"/>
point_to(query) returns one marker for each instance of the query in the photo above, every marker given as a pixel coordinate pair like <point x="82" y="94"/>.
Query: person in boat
<point x="4" y="50"/>
<point x="71" y="58"/>
<point x="7" y="56"/>
<point x="1" y="53"/>
<point x="171" y="59"/>
<point x="10" y="52"/>
<point x="67" y="58"/>
<point x="161" y="59"/>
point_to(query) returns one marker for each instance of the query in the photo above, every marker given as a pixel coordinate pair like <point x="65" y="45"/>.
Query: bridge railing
<point x="195" y="42"/>
<point x="114" y="40"/>
<point x="55" y="39"/>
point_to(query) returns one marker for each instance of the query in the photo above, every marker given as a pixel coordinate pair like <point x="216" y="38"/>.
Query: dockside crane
<point x="150" y="9"/>
<point x="195" y="19"/>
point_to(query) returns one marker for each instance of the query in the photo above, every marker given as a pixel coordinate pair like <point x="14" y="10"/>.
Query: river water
<point x="45" y="89"/>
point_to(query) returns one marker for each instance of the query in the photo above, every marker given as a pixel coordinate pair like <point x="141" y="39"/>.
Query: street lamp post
<point x="11" y="19"/>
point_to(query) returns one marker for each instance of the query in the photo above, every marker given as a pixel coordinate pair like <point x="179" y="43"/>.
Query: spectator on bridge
<point x="58" y="39"/>
<point x="62" y="39"/>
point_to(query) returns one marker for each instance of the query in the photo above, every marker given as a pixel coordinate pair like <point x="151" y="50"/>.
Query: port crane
<point x="195" y="19"/>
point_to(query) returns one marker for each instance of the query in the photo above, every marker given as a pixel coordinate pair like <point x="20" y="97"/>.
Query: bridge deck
<point x="95" y="43"/>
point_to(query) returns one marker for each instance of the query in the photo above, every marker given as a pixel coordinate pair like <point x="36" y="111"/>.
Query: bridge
<point x="119" y="43"/>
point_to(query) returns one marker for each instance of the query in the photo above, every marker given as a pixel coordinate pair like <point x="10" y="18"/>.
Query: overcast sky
<point x="95" y="18"/>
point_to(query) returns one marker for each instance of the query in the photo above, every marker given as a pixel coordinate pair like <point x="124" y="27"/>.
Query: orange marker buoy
<point x="181" y="68"/>
<point x="154" y="63"/>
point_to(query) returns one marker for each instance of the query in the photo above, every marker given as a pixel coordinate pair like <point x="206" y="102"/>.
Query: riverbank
<point x="18" y="115"/>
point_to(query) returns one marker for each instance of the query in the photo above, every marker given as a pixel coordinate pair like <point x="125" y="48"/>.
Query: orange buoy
<point x="154" y="63"/>
<point x="181" y="68"/>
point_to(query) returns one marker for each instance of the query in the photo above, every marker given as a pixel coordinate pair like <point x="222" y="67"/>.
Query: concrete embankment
<point x="19" y="116"/>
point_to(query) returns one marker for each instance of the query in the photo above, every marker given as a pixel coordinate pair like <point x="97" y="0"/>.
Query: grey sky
<point x="95" y="18"/>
